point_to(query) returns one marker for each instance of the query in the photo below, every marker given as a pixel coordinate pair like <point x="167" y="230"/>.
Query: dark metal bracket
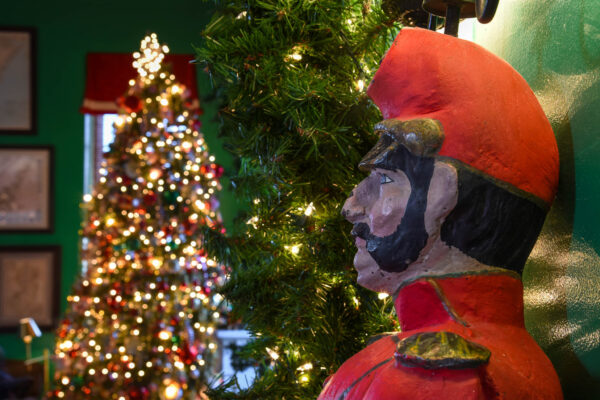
<point x="454" y="10"/>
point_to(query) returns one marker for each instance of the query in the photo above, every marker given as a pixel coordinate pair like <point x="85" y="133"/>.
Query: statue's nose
<point x="352" y="210"/>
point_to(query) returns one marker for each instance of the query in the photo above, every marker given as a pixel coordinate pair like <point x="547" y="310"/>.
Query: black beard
<point x="395" y="252"/>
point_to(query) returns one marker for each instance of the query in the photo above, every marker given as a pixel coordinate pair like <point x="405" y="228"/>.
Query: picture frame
<point x="18" y="110"/>
<point x="29" y="286"/>
<point x="26" y="189"/>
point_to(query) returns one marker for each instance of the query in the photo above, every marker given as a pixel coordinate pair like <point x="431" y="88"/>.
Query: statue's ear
<point x="441" y="197"/>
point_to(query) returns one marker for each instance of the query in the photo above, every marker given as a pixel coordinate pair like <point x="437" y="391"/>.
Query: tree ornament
<point x="170" y="196"/>
<point x="130" y="103"/>
<point x="150" y="198"/>
<point x="133" y="243"/>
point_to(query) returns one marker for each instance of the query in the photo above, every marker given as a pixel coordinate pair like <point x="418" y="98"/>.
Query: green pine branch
<point x="292" y="76"/>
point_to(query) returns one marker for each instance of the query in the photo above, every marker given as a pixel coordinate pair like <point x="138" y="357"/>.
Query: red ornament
<point x="150" y="198"/>
<point x="125" y="202"/>
<point x="135" y="394"/>
<point x="130" y="103"/>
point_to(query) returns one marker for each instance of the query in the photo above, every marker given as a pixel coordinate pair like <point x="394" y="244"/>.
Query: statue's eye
<point x="385" y="179"/>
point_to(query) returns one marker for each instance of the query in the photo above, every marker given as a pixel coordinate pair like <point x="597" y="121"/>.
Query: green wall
<point x="66" y="31"/>
<point x="555" y="45"/>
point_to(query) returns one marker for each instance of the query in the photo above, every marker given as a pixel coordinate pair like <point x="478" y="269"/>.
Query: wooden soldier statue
<point x="461" y="179"/>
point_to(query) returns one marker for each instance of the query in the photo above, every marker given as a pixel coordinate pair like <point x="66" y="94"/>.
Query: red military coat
<point x="462" y="338"/>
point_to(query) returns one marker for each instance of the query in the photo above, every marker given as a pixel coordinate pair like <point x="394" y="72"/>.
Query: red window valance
<point x="108" y="76"/>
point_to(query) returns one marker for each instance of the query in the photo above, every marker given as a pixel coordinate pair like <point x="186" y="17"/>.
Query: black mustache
<point x="361" y="230"/>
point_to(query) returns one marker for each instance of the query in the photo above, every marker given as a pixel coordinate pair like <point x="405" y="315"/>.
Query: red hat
<point x="491" y="119"/>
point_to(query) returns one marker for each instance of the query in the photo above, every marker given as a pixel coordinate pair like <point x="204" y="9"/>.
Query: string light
<point x="360" y="84"/>
<point x="148" y="60"/>
<point x="305" y="367"/>
<point x="294" y="249"/>
<point x="309" y="209"/>
<point x="272" y="353"/>
<point x="172" y="389"/>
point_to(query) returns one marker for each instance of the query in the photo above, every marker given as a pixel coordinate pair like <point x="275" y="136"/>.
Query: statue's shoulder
<point x="384" y="369"/>
<point x="432" y="350"/>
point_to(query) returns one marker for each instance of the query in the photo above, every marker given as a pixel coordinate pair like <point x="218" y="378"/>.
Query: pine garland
<point x="292" y="77"/>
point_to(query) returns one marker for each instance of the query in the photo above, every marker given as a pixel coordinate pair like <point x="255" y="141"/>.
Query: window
<point x="99" y="133"/>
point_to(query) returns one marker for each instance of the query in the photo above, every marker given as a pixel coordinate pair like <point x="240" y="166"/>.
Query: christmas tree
<point x="141" y="320"/>
<point x="292" y="77"/>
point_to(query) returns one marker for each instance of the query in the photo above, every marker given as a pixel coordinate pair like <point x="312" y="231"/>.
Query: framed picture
<point x="26" y="189"/>
<point x="29" y="286"/>
<point x="17" y="81"/>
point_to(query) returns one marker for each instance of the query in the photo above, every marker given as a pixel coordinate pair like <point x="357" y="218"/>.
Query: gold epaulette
<point x="434" y="350"/>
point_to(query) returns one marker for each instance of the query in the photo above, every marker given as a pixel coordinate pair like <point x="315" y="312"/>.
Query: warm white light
<point x="154" y="174"/>
<point x="66" y="345"/>
<point x="382" y="296"/>
<point x="186" y="146"/>
<point x="148" y="60"/>
<point x="172" y="390"/>
<point x="164" y="335"/>
<point x="309" y="210"/>
<point x="272" y="353"/>
<point x="305" y="367"/>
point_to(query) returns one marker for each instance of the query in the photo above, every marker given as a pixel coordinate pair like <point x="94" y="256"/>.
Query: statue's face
<point x="396" y="222"/>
